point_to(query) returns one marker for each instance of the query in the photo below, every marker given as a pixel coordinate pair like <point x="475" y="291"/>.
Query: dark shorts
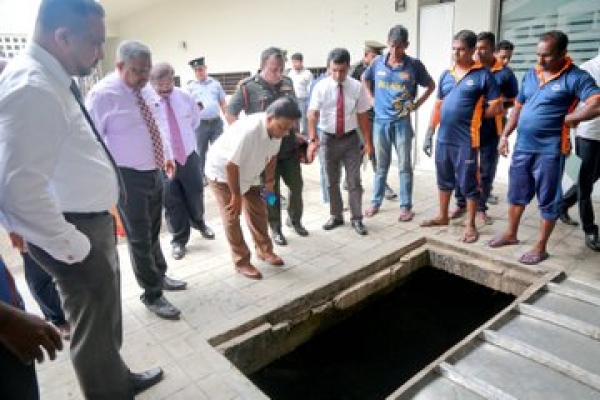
<point x="457" y="165"/>
<point x="538" y="175"/>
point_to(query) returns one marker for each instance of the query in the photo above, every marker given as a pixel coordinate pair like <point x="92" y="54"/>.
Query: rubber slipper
<point x="500" y="241"/>
<point x="371" y="211"/>
<point x="533" y="258"/>
<point x="432" y="222"/>
<point x="406" y="215"/>
<point x="469" y="238"/>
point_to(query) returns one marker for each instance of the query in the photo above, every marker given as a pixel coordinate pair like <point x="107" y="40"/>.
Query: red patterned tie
<point x="339" y="111"/>
<point x="157" y="146"/>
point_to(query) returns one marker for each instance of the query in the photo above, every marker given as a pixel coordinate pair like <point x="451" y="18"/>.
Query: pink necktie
<point x="176" y="139"/>
<point x="339" y="112"/>
<point x="157" y="146"/>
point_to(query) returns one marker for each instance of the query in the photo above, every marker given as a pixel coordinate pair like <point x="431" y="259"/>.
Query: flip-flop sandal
<point x="500" y="241"/>
<point x="406" y="216"/>
<point x="533" y="258"/>
<point x="469" y="238"/>
<point x="432" y="222"/>
<point x="371" y="211"/>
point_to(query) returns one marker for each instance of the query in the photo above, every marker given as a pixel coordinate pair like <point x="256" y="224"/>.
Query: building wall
<point x="231" y="33"/>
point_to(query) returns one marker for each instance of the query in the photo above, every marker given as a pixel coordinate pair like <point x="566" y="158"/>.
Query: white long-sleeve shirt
<point x="50" y="160"/>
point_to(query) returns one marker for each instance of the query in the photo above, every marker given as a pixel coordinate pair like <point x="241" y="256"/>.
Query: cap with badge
<point x="374" y="46"/>
<point x="197" y="62"/>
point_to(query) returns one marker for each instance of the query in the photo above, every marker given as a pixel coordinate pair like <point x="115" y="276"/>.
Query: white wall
<point x="232" y="33"/>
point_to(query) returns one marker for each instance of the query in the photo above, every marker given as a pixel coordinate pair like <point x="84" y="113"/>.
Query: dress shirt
<point x="113" y="107"/>
<point x="50" y="159"/>
<point x="324" y="99"/>
<point x="187" y="115"/>
<point x="591" y="129"/>
<point x="210" y="93"/>
<point x="302" y="81"/>
<point x="247" y="144"/>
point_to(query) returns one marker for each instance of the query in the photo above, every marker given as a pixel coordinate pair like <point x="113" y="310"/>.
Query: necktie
<point x="77" y="94"/>
<point x="175" y="132"/>
<point x="157" y="147"/>
<point x="339" y="111"/>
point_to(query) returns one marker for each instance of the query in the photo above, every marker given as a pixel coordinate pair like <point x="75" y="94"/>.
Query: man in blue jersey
<point x="543" y="115"/>
<point x="467" y="93"/>
<point x="491" y="128"/>
<point x="392" y="80"/>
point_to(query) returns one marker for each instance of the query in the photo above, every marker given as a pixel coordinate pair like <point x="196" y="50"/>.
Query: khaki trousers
<point x="255" y="212"/>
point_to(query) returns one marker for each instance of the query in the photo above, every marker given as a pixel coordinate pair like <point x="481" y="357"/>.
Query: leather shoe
<point x="566" y="219"/>
<point x="359" y="227"/>
<point x="162" y="307"/>
<point x="173" y="284"/>
<point x="249" y="271"/>
<point x="206" y="232"/>
<point x="332" y="223"/>
<point x="177" y="251"/>
<point x="271" y="258"/>
<point x="592" y="242"/>
<point x="278" y="238"/>
<point x="146" y="379"/>
<point x="298" y="227"/>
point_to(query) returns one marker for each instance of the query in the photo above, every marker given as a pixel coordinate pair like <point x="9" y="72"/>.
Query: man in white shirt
<point x="302" y="79"/>
<point x="587" y="146"/>
<point x="339" y="104"/>
<point x="57" y="185"/>
<point x="234" y="164"/>
<point x="184" y="192"/>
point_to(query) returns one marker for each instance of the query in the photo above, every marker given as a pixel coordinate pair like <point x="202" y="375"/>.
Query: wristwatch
<point x="312" y="140"/>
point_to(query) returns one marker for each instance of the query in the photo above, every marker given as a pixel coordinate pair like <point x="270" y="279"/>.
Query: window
<point x="523" y="21"/>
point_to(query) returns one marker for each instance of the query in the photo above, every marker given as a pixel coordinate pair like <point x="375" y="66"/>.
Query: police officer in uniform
<point x="255" y="94"/>
<point x="373" y="49"/>
<point x="210" y="97"/>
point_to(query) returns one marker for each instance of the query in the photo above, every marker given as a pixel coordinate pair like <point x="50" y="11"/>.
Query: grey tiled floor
<point x="218" y="299"/>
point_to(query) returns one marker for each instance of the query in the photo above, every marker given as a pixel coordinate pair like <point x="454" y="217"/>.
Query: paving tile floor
<point x="218" y="299"/>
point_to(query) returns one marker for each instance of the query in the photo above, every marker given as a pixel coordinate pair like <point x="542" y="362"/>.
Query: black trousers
<point x="141" y="214"/>
<point x="589" y="152"/>
<point x="290" y="171"/>
<point x="17" y="380"/>
<point x="184" y="200"/>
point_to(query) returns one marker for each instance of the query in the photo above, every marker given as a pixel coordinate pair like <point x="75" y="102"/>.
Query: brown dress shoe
<point x="271" y="258"/>
<point x="249" y="271"/>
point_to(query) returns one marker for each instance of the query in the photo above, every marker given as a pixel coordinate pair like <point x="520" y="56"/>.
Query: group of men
<point x="141" y="143"/>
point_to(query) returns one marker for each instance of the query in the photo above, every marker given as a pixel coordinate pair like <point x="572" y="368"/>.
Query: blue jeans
<point x="398" y="133"/>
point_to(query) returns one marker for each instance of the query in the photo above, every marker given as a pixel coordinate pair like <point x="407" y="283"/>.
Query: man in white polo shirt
<point x="233" y="167"/>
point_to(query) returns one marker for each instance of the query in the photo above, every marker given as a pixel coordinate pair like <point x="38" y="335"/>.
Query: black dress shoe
<point x="206" y="232"/>
<point x="592" y="242"/>
<point x="566" y="219"/>
<point x="298" y="227"/>
<point x="173" y="284"/>
<point x="333" y="222"/>
<point x="146" y="379"/>
<point x="359" y="227"/>
<point x="278" y="238"/>
<point x="177" y="251"/>
<point x="162" y="308"/>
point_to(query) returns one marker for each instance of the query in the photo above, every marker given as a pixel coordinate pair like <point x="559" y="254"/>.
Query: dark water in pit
<point x="376" y="350"/>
